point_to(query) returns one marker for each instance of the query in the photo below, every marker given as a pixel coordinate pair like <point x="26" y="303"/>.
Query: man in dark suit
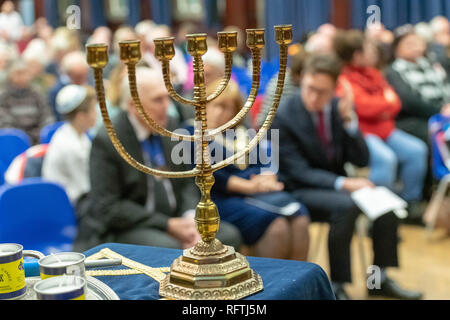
<point x="318" y="135"/>
<point x="127" y="206"/>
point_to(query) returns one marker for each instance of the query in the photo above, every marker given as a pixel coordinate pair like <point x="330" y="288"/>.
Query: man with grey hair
<point x="21" y="106"/>
<point x="75" y="70"/>
<point x="127" y="206"/>
<point x="440" y="46"/>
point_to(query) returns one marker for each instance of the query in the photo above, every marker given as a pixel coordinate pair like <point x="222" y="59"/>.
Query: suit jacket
<point x="303" y="160"/>
<point x="118" y="196"/>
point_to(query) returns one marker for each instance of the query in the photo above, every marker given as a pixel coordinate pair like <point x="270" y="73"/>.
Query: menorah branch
<point x="150" y="122"/>
<point x="98" y="73"/>
<point x="270" y="117"/>
<point x="256" y="64"/>
<point x="226" y="78"/>
<point x="165" y="64"/>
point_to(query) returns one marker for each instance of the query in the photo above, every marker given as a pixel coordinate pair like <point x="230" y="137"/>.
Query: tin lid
<point x="60" y="288"/>
<point x="62" y="259"/>
<point x="8" y="248"/>
<point x="10" y="252"/>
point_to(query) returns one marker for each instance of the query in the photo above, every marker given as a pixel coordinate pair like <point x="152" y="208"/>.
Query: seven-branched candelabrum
<point x="207" y="217"/>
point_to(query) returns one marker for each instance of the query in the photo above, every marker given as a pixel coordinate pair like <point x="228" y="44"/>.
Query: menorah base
<point x="203" y="274"/>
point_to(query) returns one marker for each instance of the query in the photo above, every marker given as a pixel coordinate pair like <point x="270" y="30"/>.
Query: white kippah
<point x="70" y="98"/>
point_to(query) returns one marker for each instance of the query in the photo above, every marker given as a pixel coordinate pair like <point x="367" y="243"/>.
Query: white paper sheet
<point x="375" y="202"/>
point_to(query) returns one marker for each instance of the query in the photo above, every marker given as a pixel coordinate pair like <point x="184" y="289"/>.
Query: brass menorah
<point x="210" y="270"/>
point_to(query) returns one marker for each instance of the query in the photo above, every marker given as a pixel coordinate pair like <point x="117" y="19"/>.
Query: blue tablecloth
<point x="283" y="279"/>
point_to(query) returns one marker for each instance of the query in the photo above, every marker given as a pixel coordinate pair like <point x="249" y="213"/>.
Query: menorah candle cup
<point x="197" y="45"/>
<point x="58" y="264"/>
<point x="61" y="288"/>
<point x="164" y="48"/>
<point x="12" y="271"/>
<point x="227" y="41"/>
<point x="256" y="38"/>
<point x="283" y="34"/>
<point x="97" y="55"/>
<point x="130" y="51"/>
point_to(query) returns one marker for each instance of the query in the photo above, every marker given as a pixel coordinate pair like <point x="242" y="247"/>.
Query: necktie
<point x="321" y="130"/>
<point x="160" y="196"/>
<point x="153" y="147"/>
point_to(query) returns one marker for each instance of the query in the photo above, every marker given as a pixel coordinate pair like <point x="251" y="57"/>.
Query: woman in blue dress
<point x="272" y="223"/>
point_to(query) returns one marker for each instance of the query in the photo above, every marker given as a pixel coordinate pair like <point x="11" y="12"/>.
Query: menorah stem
<point x="203" y="158"/>
<point x="207" y="216"/>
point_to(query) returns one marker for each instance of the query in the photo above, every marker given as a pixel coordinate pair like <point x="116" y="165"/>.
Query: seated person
<point x="423" y="87"/>
<point x="291" y="84"/>
<point x="128" y="206"/>
<point x="21" y="106"/>
<point x="67" y="159"/>
<point x="319" y="134"/>
<point x="272" y="223"/>
<point x="26" y="165"/>
<point x="377" y="105"/>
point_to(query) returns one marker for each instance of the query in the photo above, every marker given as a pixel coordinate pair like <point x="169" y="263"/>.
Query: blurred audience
<point x="36" y="59"/>
<point x="319" y="134"/>
<point x="393" y="152"/>
<point x="21" y="106"/>
<point x="11" y="24"/>
<point x="423" y="86"/>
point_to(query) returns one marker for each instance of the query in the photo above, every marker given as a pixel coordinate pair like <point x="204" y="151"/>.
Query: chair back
<point x="12" y="143"/>
<point x="436" y="127"/>
<point x="2" y="173"/>
<point x="48" y="132"/>
<point x="37" y="215"/>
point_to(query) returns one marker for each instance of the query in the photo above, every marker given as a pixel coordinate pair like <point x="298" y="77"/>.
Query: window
<point x="117" y="10"/>
<point x="189" y="10"/>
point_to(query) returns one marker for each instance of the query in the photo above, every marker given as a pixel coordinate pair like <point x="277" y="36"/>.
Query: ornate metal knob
<point x="197" y="44"/>
<point x="227" y="41"/>
<point x="256" y="38"/>
<point x="283" y="34"/>
<point x="130" y="51"/>
<point x="97" y="55"/>
<point x="164" y="48"/>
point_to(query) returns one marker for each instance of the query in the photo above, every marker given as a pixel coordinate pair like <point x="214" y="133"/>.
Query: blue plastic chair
<point x="37" y="215"/>
<point x="12" y="143"/>
<point x="268" y="70"/>
<point x="48" y="132"/>
<point x="2" y="173"/>
<point x="437" y="124"/>
<point x="243" y="79"/>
